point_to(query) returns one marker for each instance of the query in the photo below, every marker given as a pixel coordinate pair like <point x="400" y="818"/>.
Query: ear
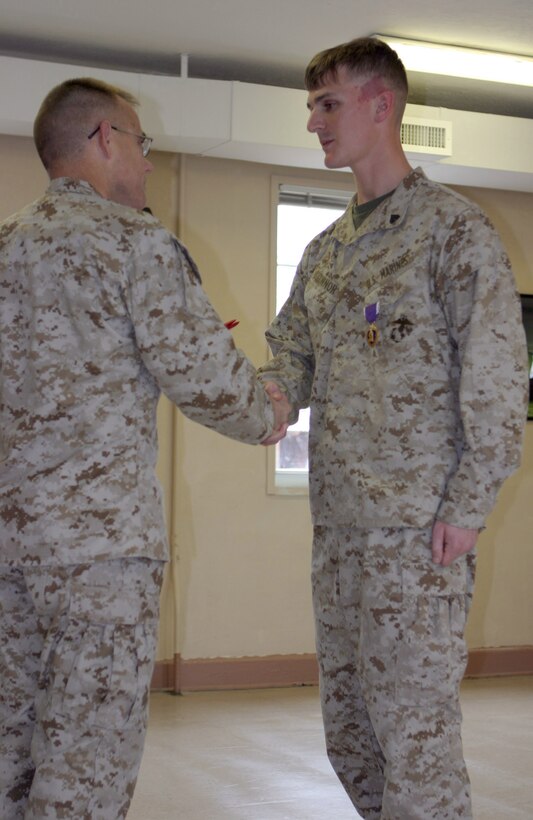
<point x="384" y="105"/>
<point x="104" y="138"/>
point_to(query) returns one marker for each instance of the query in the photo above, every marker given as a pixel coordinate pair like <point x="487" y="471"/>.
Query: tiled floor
<point x="259" y="755"/>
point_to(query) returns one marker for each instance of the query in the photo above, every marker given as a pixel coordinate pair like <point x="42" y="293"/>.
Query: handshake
<point x="282" y="411"/>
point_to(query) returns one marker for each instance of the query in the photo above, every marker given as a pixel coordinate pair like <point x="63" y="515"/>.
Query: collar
<point x="67" y="185"/>
<point x="389" y="214"/>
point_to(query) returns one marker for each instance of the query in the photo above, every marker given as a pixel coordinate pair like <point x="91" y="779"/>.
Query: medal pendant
<point x="372" y="335"/>
<point x="372" y="332"/>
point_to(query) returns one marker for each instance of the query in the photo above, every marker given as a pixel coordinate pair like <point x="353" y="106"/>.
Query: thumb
<point x="273" y="391"/>
<point x="437" y="542"/>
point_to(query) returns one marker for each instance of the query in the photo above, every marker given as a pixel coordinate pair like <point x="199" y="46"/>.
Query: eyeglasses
<point x="146" y="142"/>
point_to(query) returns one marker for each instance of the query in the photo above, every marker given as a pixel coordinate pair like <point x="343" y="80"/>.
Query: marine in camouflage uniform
<point x="404" y="336"/>
<point x="101" y="310"/>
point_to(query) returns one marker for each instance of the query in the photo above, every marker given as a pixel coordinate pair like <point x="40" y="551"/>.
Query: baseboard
<point x="498" y="661"/>
<point x="202" y="674"/>
<point x="163" y="675"/>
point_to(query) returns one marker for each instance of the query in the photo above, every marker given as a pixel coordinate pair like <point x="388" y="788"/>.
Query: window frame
<point x="293" y="482"/>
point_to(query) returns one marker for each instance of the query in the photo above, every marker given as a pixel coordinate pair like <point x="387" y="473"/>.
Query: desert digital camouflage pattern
<point x="429" y="419"/>
<point x="81" y="643"/>
<point x="389" y="629"/>
<point x="101" y="309"/>
<point x="405" y="338"/>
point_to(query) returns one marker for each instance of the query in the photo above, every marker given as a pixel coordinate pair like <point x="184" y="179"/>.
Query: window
<point x="301" y="213"/>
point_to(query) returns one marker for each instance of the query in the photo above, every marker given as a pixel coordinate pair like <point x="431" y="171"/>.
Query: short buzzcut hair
<point x="69" y="112"/>
<point x="365" y="57"/>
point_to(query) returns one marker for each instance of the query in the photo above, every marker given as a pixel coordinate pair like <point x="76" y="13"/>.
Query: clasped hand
<point x="282" y="410"/>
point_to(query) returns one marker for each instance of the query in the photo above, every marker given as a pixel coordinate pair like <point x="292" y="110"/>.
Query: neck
<point x="374" y="179"/>
<point x="80" y="171"/>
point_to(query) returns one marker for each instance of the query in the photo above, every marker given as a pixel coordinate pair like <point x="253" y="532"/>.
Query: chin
<point x="332" y="162"/>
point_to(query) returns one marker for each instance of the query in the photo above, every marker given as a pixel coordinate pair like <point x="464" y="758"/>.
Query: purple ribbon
<point x="372" y="312"/>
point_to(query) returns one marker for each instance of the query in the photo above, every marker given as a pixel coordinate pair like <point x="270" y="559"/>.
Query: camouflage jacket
<point x="428" y="420"/>
<point x="101" y="309"/>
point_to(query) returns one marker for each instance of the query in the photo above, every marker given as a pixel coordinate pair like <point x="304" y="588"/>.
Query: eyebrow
<point x="321" y="97"/>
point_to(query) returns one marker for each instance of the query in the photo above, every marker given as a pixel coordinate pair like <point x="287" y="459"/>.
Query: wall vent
<point x="429" y="137"/>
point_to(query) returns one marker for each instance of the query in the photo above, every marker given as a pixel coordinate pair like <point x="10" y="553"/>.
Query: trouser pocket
<point x="431" y="651"/>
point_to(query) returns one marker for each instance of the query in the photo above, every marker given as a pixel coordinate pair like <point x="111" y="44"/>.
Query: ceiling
<point x="268" y="42"/>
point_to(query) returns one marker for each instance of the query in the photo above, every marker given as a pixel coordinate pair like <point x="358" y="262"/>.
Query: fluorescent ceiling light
<point x="470" y="63"/>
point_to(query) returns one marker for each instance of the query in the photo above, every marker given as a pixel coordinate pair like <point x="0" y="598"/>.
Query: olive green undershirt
<point x="360" y="212"/>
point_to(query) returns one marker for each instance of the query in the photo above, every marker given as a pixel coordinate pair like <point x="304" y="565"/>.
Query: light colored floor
<point x="259" y="755"/>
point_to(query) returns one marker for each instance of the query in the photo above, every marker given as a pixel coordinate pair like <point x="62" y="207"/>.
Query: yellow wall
<point x="240" y="569"/>
<point x="502" y="614"/>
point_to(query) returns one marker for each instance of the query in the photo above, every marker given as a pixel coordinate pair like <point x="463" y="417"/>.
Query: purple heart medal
<point x="372" y="332"/>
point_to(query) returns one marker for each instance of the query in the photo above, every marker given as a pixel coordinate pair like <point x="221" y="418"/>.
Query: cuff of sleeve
<point x="458" y="515"/>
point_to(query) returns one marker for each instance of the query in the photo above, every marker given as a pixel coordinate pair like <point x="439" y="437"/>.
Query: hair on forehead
<point x="70" y="111"/>
<point x="364" y="57"/>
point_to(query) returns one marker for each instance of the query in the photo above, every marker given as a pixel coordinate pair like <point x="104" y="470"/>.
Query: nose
<point x="148" y="166"/>
<point x="314" y="122"/>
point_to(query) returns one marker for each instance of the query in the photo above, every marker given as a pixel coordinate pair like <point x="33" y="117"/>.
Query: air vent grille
<point x="430" y="137"/>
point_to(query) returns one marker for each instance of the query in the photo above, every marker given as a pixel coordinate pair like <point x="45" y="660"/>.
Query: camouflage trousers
<point x="390" y="643"/>
<point x="77" y="648"/>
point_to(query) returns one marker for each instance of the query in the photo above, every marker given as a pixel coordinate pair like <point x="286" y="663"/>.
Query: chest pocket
<point x="409" y="326"/>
